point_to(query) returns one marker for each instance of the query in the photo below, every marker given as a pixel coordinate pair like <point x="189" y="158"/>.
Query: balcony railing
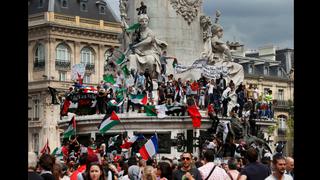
<point x="61" y="64"/>
<point x="39" y="64"/>
<point x="89" y="67"/>
<point x="281" y="103"/>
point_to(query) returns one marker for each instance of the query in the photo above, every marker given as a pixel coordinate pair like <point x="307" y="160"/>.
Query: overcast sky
<point x="254" y="23"/>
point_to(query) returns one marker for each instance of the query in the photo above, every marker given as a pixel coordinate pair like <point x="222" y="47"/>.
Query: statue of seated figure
<point x="218" y="53"/>
<point x="145" y="49"/>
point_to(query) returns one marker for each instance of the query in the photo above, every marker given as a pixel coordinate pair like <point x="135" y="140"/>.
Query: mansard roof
<point x="73" y="8"/>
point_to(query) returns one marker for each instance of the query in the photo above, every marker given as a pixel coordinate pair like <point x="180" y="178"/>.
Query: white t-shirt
<point x="285" y="177"/>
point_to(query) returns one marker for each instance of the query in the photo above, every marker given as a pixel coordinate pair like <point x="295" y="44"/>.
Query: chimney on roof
<point x="267" y="52"/>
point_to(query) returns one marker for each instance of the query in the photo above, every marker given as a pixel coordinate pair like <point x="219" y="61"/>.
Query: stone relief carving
<point x="205" y="23"/>
<point x="188" y="9"/>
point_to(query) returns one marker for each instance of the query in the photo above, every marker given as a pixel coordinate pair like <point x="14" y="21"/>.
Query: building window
<point x="35" y="109"/>
<point x="280" y="94"/>
<point x="87" y="56"/>
<point x="29" y="108"/>
<point x="279" y="72"/>
<point x="39" y="56"/>
<point x="35" y="142"/>
<point x="266" y="71"/>
<point x="62" y="53"/>
<point x="62" y="76"/>
<point x="86" y="79"/>
<point x="40" y="5"/>
<point x="102" y="9"/>
<point x="64" y="3"/>
<point x="250" y="69"/>
<point x="83" y="6"/>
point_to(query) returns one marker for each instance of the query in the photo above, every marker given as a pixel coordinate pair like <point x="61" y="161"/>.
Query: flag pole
<point x="123" y="126"/>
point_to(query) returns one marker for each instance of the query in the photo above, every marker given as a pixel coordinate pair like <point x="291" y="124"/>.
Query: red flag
<point x="64" y="110"/>
<point x="46" y="148"/>
<point x="195" y="115"/>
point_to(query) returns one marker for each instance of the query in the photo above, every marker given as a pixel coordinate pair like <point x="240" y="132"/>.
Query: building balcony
<point x="282" y="104"/>
<point x="90" y="67"/>
<point x="39" y="65"/>
<point x="63" y="65"/>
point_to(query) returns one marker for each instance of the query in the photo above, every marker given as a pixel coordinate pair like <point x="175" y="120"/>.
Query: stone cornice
<point x="70" y="33"/>
<point x="139" y="122"/>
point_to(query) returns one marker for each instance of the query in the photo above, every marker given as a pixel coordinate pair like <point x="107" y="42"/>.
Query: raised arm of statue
<point x="124" y="24"/>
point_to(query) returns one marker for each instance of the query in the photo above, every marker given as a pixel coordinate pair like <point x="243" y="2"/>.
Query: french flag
<point x="150" y="148"/>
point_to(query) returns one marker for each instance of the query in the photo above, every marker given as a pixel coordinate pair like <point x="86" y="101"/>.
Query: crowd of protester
<point x="176" y="92"/>
<point x="93" y="162"/>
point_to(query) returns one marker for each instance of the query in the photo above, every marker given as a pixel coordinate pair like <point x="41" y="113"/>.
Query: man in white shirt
<point x="205" y="170"/>
<point x="279" y="164"/>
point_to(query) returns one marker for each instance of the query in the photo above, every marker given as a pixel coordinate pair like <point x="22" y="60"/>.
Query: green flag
<point x="133" y="27"/>
<point x="150" y="110"/>
<point x="120" y="59"/>
<point x="109" y="78"/>
<point x="125" y="71"/>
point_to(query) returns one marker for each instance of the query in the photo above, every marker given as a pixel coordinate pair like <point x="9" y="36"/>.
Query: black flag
<point x="53" y="93"/>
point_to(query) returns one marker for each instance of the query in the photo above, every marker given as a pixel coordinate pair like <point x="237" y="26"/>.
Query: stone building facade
<point x="61" y="34"/>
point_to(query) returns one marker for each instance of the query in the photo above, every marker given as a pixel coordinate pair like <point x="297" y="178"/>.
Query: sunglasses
<point x="185" y="158"/>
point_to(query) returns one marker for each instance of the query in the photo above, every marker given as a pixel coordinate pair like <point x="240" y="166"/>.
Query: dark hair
<point x="252" y="154"/>
<point x="209" y="155"/>
<point x="149" y="162"/>
<point x="187" y="153"/>
<point x="277" y="157"/>
<point x="166" y="170"/>
<point x="83" y="159"/>
<point x="87" y="173"/>
<point x="232" y="163"/>
<point x="47" y="161"/>
<point x="132" y="161"/>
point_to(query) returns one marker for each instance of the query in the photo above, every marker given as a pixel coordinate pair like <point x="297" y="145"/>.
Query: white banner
<point x="209" y="71"/>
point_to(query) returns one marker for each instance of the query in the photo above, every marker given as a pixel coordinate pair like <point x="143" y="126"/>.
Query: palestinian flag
<point x="150" y="110"/>
<point x="112" y="102"/>
<point x="195" y="115"/>
<point x="71" y="128"/>
<point x="109" y="78"/>
<point x="46" y="148"/>
<point x="120" y="59"/>
<point x="125" y="71"/>
<point x="128" y="144"/>
<point x="57" y="152"/>
<point x="139" y="99"/>
<point x="109" y="122"/>
<point x="133" y="27"/>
